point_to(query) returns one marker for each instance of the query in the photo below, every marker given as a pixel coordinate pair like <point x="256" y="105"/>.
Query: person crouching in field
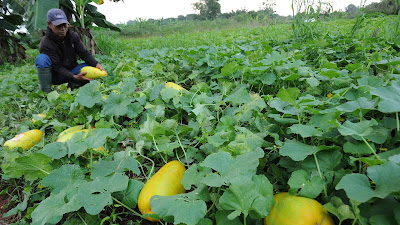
<point x="57" y="62"/>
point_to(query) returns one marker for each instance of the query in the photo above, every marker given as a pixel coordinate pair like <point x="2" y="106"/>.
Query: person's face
<point x="60" y="31"/>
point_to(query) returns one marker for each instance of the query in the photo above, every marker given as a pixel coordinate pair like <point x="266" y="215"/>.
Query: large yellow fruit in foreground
<point x="25" y="140"/>
<point x="295" y="210"/>
<point x="175" y="86"/>
<point x="166" y="182"/>
<point x="93" y="72"/>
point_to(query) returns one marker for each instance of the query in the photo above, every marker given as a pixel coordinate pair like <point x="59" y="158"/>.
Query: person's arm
<point x="82" y="52"/>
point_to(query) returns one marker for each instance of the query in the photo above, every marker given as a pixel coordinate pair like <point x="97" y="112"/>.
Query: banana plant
<point x="11" y="44"/>
<point x="80" y="8"/>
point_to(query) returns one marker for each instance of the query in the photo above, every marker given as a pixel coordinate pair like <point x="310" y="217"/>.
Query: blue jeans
<point x="43" y="61"/>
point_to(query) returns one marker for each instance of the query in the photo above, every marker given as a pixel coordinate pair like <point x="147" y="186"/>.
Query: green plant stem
<point x="82" y="218"/>
<point x="91" y="160"/>
<point x="354" y="221"/>
<point x="184" y="152"/>
<point x="372" y="150"/>
<point x="320" y="174"/>
<point x="81" y="10"/>
<point x="158" y="150"/>
<point x="212" y="206"/>
<point x="133" y="211"/>
<point x="152" y="168"/>
<point x="397" y="120"/>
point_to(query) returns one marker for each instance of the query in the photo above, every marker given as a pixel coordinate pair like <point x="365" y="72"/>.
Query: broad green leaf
<point x="330" y="73"/>
<point x="386" y="178"/>
<point x="170" y="93"/>
<point x="77" y="145"/>
<point x="55" y="150"/>
<point x="98" y="137"/>
<point x="222" y="218"/>
<point x="205" y="221"/>
<point x="229" y="169"/>
<point x="155" y="92"/>
<point x="52" y="209"/>
<point x="130" y="195"/>
<point x="239" y="96"/>
<point x="116" y="104"/>
<point x="324" y="63"/>
<point x="39" y="9"/>
<point x="339" y="209"/>
<point x="361" y="129"/>
<point x="288" y="95"/>
<point x="378" y="135"/>
<point x="248" y="196"/>
<point x="305" y="130"/>
<point x="184" y="208"/>
<point x="284" y="107"/>
<point x="134" y="110"/>
<point x="32" y="167"/>
<point x="282" y="120"/>
<point x="296" y="150"/>
<point x="360" y="103"/>
<point x="305" y="184"/>
<point x="66" y="178"/>
<point x="151" y="128"/>
<point x="389" y="98"/>
<point x="88" y="95"/>
<point x="267" y="78"/>
<point x="106" y="168"/>
<point x="327" y="161"/>
<point x="230" y="69"/>
<point x="193" y="176"/>
<point x="95" y="195"/>
<point x="357" y="187"/>
<point x="357" y="149"/>
<point x="326" y="121"/>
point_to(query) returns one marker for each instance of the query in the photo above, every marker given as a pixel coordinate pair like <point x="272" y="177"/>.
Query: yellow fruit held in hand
<point x="25" y="140"/>
<point x="166" y="182"/>
<point x="295" y="210"/>
<point x="93" y="72"/>
<point x="175" y="86"/>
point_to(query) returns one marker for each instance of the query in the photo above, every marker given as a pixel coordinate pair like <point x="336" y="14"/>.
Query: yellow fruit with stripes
<point x="25" y="140"/>
<point x="93" y="72"/>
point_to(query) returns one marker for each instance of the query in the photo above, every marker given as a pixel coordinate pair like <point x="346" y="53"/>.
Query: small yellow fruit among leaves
<point x="175" y="86"/>
<point x="71" y="129"/>
<point x="295" y="210"/>
<point x="69" y="135"/>
<point x="25" y="140"/>
<point x="166" y="182"/>
<point x="93" y="72"/>
<point x="40" y="115"/>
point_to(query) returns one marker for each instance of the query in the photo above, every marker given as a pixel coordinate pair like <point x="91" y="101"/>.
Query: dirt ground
<point x="4" y="200"/>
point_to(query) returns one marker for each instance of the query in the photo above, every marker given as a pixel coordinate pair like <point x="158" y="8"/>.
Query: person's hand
<point x="98" y="66"/>
<point x="81" y="77"/>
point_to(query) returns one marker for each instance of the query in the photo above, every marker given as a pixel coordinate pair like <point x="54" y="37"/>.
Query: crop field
<point x="306" y="108"/>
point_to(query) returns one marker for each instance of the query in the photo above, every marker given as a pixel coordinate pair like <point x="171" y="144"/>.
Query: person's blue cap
<point x="57" y="17"/>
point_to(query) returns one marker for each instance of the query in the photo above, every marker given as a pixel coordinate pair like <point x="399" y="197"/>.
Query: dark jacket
<point x="63" y="54"/>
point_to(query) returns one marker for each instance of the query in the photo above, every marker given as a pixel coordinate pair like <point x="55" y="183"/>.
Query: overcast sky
<point x="122" y="12"/>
